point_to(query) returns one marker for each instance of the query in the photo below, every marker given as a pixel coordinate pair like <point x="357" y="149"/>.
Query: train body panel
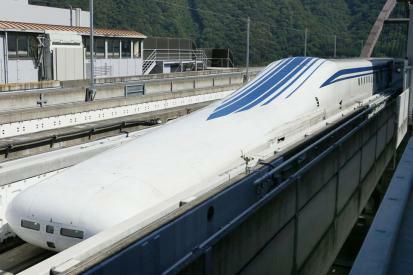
<point x="186" y="157"/>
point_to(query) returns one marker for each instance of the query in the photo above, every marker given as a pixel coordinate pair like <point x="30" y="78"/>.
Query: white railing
<point x="149" y="61"/>
<point x="175" y="55"/>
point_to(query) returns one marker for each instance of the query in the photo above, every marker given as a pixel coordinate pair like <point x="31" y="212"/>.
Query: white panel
<point x="22" y="71"/>
<point x="69" y="63"/>
<point x="118" y="67"/>
<point x="403" y="112"/>
<point x="20" y="11"/>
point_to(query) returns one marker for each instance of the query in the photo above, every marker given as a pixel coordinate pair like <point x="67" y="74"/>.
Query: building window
<point x="12" y="41"/>
<point x="22" y="46"/>
<point x="86" y="43"/>
<point x="126" y="49"/>
<point x="113" y="48"/>
<point x="137" y="49"/>
<point x="100" y="48"/>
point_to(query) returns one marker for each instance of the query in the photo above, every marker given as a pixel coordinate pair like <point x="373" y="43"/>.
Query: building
<point x="22" y="11"/>
<point x="55" y="45"/>
<point x="173" y="55"/>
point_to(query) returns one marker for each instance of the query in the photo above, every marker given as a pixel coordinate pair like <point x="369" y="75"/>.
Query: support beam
<point x="410" y="62"/>
<point x="377" y="28"/>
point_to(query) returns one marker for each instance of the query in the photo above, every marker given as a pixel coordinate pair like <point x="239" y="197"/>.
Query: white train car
<point x="150" y="176"/>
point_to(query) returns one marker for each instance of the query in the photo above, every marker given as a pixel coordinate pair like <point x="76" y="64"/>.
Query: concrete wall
<point x="21" y="11"/>
<point x="115" y="67"/>
<point x="22" y="71"/>
<point x="74" y="91"/>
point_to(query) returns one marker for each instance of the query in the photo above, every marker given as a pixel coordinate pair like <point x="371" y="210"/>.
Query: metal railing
<point x="149" y="61"/>
<point x="174" y="55"/>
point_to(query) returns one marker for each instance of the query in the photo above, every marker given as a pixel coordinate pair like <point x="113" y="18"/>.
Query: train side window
<point x="30" y="225"/>
<point x="49" y="229"/>
<point x="71" y="233"/>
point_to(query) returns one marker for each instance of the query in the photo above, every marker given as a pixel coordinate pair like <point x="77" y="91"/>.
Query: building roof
<point x="41" y="28"/>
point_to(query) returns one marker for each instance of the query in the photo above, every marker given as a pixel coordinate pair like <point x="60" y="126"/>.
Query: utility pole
<point x="90" y="92"/>
<point x="248" y="51"/>
<point x="305" y="41"/>
<point x="335" y="46"/>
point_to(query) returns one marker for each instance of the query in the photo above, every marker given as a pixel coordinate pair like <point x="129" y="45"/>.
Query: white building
<point x="21" y="11"/>
<point x="44" y="43"/>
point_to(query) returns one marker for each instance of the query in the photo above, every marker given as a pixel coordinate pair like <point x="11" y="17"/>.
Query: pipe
<point x="71" y="15"/>
<point x="6" y="57"/>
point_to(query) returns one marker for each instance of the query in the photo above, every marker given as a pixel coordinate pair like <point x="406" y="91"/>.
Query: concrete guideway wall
<point x="70" y="94"/>
<point x="54" y="117"/>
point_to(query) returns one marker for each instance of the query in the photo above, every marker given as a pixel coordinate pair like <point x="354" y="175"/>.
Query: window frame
<point x="112" y="54"/>
<point x="72" y="233"/>
<point x="127" y="42"/>
<point x="19" y="39"/>
<point x="98" y="47"/>
<point x="30" y="225"/>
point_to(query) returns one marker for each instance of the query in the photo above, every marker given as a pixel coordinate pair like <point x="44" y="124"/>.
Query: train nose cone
<point x="12" y="214"/>
<point x="18" y="220"/>
<point x="24" y="225"/>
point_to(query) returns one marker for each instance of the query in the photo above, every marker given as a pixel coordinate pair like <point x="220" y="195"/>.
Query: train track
<point x="22" y="257"/>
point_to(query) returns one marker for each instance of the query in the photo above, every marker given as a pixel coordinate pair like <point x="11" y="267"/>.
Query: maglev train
<point x="150" y="176"/>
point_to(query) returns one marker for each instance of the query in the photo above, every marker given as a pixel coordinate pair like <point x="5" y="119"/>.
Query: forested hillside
<point x="277" y="26"/>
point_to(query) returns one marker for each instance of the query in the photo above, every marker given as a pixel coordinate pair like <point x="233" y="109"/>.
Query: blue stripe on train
<point x="305" y="80"/>
<point x="277" y="77"/>
<point x="292" y="83"/>
<point x="256" y="84"/>
<point x="336" y="77"/>
<point x="262" y="77"/>
<point x="276" y="88"/>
